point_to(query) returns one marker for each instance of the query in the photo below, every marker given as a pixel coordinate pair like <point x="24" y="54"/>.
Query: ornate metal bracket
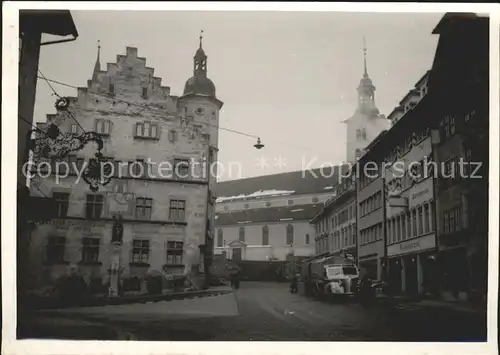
<point x="62" y="104"/>
<point x="96" y="173"/>
<point x="57" y="144"/>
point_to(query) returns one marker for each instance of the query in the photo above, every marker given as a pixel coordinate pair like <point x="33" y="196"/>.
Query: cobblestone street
<point x="268" y="311"/>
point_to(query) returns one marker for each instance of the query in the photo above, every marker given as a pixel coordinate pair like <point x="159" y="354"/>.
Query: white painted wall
<point x="277" y="240"/>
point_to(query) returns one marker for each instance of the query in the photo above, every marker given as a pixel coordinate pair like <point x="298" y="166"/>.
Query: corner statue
<point x="117" y="235"/>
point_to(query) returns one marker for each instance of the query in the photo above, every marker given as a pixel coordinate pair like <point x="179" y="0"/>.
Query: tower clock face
<point x="200" y="111"/>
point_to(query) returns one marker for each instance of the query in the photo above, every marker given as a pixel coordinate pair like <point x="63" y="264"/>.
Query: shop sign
<point x="61" y="224"/>
<point x="420" y="193"/>
<point x="413" y="245"/>
<point x="146" y="229"/>
<point x="66" y="224"/>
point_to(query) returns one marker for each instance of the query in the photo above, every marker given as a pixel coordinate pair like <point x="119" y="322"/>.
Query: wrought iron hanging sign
<point x="96" y="172"/>
<point x="55" y="144"/>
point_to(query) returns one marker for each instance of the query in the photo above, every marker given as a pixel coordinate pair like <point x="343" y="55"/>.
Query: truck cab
<point x="341" y="279"/>
<point x="330" y="276"/>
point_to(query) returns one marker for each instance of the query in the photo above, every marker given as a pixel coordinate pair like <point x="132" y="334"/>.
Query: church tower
<point x="366" y="123"/>
<point x="200" y="107"/>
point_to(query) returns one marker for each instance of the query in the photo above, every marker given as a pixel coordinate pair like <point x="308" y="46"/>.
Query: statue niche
<point x="117" y="235"/>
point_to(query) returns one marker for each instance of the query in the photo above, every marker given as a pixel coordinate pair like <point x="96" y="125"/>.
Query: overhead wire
<point x="162" y="113"/>
<point x="32" y="125"/>
<point x="59" y="96"/>
<point x="148" y="107"/>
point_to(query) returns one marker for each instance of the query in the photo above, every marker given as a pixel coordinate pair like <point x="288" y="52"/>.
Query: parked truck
<point x="328" y="277"/>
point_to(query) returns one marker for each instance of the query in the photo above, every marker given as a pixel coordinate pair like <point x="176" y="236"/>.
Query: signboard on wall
<point x="420" y="193"/>
<point x="416" y="154"/>
<point x="413" y="245"/>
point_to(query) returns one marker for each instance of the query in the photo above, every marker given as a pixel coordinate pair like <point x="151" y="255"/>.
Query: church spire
<point x="199" y="83"/>
<point x="364" y="55"/>
<point x="200" y="60"/>
<point x="366" y="89"/>
<point x="97" y="65"/>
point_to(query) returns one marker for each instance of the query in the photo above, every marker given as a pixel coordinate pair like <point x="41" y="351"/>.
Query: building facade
<point x="159" y="147"/>
<point x="267" y="217"/>
<point x="366" y="123"/>
<point x="335" y="225"/>
<point x="32" y="24"/>
<point x="410" y="198"/>
<point x="462" y="126"/>
<point x="370" y="211"/>
<point x="410" y="221"/>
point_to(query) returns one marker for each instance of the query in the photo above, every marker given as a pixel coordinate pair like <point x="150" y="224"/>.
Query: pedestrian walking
<point x="234" y="275"/>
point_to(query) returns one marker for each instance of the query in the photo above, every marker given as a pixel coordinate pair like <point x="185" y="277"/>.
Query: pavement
<point x="260" y="312"/>
<point x="421" y="304"/>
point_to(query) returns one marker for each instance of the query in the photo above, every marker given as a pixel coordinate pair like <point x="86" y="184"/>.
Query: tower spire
<point x="364" y="55"/>
<point x="200" y="59"/>
<point x="366" y="89"/>
<point x="97" y="65"/>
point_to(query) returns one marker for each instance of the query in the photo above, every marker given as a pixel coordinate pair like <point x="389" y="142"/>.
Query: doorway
<point x="395" y="280"/>
<point x="237" y="254"/>
<point x="411" y="275"/>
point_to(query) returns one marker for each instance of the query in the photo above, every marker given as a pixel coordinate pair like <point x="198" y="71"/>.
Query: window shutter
<point x="157" y="131"/>
<point x="134" y="133"/>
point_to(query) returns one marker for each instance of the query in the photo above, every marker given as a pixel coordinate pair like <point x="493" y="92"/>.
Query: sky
<point x="288" y="77"/>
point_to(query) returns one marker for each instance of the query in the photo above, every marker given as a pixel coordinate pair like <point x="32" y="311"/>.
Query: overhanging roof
<point x="54" y="22"/>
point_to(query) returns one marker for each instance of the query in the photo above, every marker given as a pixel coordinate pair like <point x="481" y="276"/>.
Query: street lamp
<point x="258" y="145"/>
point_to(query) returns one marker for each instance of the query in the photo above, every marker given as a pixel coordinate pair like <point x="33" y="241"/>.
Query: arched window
<point x="307" y="239"/>
<point x="242" y="234"/>
<point x="265" y="235"/>
<point x="220" y="237"/>
<point x="289" y="235"/>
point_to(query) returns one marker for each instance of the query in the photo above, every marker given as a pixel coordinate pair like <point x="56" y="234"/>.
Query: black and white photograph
<point x="207" y="174"/>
